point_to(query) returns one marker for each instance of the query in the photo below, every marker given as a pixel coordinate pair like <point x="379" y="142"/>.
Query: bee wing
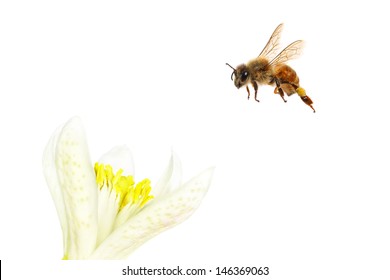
<point x="272" y="45"/>
<point x="292" y="51"/>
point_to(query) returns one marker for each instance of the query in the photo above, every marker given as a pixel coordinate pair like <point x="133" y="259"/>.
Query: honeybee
<point x="270" y="69"/>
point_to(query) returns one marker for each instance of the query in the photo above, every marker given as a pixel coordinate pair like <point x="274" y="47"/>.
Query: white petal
<point x="171" y="178"/>
<point x="50" y="172"/>
<point x="107" y="211"/>
<point x="119" y="158"/>
<point x="77" y="180"/>
<point x="165" y="213"/>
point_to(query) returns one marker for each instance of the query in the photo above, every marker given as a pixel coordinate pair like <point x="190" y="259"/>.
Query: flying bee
<point x="270" y="69"/>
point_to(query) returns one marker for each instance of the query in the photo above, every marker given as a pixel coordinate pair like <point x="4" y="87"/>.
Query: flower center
<point x="127" y="192"/>
<point x="119" y="198"/>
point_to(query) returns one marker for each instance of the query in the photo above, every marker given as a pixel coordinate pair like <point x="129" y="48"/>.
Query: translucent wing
<point x="292" y="51"/>
<point x="272" y="45"/>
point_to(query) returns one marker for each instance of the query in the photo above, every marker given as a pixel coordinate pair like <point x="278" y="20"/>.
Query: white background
<point x="305" y="194"/>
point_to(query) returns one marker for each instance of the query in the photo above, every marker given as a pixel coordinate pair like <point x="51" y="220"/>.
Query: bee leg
<point x="249" y="93"/>
<point x="254" y="84"/>
<point x="280" y="90"/>
<point x="306" y="99"/>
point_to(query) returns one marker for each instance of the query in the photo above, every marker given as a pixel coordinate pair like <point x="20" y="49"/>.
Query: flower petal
<point x="171" y="178"/>
<point x="167" y="212"/>
<point x="77" y="181"/>
<point x="50" y="172"/>
<point x="119" y="158"/>
<point x="107" y="211"/>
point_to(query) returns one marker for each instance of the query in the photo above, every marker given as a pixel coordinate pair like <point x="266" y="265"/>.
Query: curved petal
<point x="77" y="181"/>
<point x="50" y="172"/>
<point x="171" y="178"/>
<point x="119" y="158"/>
<point x="107" y="211"/>
<point x="169" y="211"/>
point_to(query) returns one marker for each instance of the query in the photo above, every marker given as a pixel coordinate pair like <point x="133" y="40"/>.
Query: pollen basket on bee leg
<point x="301" y="91"/>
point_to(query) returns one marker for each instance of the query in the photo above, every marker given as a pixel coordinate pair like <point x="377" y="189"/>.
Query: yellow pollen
<point x="301" y="91"/>
<point x="127" y="192"/>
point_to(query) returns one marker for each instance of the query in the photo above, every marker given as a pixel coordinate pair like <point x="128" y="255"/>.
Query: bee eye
<point x="244" y="76"/>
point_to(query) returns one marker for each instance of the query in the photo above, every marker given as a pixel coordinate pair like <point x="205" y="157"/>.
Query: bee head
<point x="241" y="75"/>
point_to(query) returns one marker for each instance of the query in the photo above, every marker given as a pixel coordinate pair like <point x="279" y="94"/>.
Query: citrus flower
<point x="104" y="213"/>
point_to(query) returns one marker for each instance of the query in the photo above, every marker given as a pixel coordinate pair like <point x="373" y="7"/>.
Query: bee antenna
<point x="234" y="70"/>
<point x="230" y="66"/>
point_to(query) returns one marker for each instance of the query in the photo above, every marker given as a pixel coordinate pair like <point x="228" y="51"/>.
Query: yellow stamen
<point x="127" y="192"/>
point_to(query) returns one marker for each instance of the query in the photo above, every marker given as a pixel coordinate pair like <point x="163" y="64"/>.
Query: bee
<point x="270" y="69"/>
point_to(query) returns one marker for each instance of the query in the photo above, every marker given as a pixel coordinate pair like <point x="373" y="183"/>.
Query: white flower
<point x="103" y="213"/>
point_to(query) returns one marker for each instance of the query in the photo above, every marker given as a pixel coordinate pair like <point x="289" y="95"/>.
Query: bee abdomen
<point x="285" y="74"/>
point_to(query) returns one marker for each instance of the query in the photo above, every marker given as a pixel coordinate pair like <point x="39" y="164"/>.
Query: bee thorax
<point x="260" y="70"/>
